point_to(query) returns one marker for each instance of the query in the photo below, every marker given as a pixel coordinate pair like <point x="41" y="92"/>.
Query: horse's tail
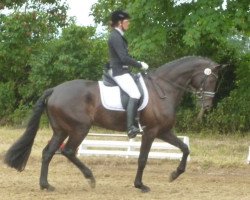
<point x="18" y="154"/>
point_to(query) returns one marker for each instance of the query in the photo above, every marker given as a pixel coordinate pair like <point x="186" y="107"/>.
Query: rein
<point x="201" y="94"/>
<point x="162" y="92"/>
<point x="158" y="88"/>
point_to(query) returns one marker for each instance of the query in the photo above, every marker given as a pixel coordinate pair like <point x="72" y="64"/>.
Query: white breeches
<point x="128" y="85"/>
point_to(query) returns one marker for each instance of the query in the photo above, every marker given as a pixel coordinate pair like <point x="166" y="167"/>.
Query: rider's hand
<point x="144" y="65"/>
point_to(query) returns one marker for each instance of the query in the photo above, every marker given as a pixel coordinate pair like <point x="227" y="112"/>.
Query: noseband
<point x="202" y="92"/>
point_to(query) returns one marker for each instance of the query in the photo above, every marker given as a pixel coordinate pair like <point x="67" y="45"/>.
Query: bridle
<point x="201" y="94"/>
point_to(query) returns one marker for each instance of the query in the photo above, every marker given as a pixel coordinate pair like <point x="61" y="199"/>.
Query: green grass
<point x="219" y="150"/>
<point x="207" y="150"/>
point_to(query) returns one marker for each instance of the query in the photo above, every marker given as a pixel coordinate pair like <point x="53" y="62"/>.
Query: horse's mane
<point x="181" y="65"/>
<point x="180" y="61"/>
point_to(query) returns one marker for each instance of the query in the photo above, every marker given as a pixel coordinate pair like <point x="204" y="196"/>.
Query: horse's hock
<point x="102" y="144"/>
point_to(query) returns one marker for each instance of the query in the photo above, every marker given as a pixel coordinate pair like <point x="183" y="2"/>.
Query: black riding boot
<point x="131" y="114"/>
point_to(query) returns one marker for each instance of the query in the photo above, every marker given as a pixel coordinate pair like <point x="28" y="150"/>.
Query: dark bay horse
<point x="74" y="106"/>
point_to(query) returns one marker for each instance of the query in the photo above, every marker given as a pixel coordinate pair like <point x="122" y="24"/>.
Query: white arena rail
<point x="248" y="158"/>
<point x="101" y="144"/>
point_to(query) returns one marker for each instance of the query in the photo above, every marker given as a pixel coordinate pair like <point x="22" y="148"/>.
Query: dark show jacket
<point x="118" y="53"/>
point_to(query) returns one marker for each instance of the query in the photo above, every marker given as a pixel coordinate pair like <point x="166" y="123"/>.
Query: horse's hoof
<point x="47" y="187"/>
<point x="143" y="188"/>
<point x="92" y="182"/>
<point x="174" y="175"/>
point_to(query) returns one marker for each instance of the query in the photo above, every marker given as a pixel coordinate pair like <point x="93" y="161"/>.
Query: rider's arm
<point x="117" y="43"/>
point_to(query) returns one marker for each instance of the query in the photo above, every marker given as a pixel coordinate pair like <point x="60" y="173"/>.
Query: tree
<point x="168" y="29"/>
<point x="164" y="30"/>
<point x="40" y="48"/>
<point x="76" y="54"/>
<point x="22" y="34"/>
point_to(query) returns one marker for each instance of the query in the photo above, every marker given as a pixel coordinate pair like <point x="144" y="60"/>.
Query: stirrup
<point x="133" y="131"/>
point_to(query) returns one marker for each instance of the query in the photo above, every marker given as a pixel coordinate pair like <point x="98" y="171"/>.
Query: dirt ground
<point x="115" y="178"/>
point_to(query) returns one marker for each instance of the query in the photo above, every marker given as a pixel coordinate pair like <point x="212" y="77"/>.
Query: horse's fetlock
<point x="180" y="170"/>
<point x="138" y="184"/>
<point x="88" y="173"/>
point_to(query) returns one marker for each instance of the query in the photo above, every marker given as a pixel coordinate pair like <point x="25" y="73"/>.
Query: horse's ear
<point x="224" y="65"/>
<point x="219" y="66"/>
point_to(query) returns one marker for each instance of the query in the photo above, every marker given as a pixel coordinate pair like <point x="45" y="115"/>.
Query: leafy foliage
<point x="22" y="34"/>
<point x="76" y="54"/>
<point x="7" y="97"/>
<point x="232" y="114"/>
<point x="40" y="48"/>
<point x="165" y="30"/>
<point x="34" y="55"/>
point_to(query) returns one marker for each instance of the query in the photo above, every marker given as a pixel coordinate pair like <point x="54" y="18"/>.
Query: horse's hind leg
<point x="174" y="140"/>
<point x="69" y="151"/>
<point x="48" y="152"/>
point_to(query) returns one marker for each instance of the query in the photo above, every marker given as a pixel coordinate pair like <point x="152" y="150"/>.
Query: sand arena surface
<point x="114" y="180"/>
<point x="217" y="171"/>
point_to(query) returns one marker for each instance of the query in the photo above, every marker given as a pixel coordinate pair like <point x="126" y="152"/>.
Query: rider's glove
<point x="144" y="65"/>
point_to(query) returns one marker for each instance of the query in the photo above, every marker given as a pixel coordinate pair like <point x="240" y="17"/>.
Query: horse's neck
<point x="178" y="77"/>
<point x="178" y="74"/>
<point x="172" y="82"/>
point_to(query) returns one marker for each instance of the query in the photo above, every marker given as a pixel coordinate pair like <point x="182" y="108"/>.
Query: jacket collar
<point x="120" y="31"/>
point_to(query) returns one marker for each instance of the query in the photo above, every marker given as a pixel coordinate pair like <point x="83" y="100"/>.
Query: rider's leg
<point x="127" y="84"/>
<point x="131" y="114"/>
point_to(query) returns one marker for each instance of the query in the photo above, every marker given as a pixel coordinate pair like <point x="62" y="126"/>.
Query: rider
<point x="120" y="60"/>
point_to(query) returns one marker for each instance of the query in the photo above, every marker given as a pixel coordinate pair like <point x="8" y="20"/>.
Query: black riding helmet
<point x="117" y="16"/>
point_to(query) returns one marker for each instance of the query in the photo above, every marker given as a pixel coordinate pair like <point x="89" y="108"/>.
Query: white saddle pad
<point x="111" y="98"/>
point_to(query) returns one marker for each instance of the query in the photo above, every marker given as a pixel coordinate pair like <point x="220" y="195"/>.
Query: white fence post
<point x="107" y="145"/>
<point x="248" y="158"/>
<point x="130" y="146"/>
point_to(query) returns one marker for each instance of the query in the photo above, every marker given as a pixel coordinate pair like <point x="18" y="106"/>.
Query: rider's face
<point x="125" y="24"/>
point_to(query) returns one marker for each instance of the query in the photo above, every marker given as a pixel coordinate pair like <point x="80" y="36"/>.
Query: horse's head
<point x="204" y="82"/>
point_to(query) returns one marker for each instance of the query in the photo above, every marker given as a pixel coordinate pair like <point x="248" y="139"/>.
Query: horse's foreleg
<point x="48" y="153"/>
<point x="174" y="140"/>
<point x="70" y="152"/>
<point x="142" y="161"/>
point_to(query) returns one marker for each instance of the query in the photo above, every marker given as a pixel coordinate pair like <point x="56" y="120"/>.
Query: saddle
<point x="114" y="98"/>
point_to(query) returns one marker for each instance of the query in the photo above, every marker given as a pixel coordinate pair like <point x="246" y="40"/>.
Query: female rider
<point x="120" y="61"/>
